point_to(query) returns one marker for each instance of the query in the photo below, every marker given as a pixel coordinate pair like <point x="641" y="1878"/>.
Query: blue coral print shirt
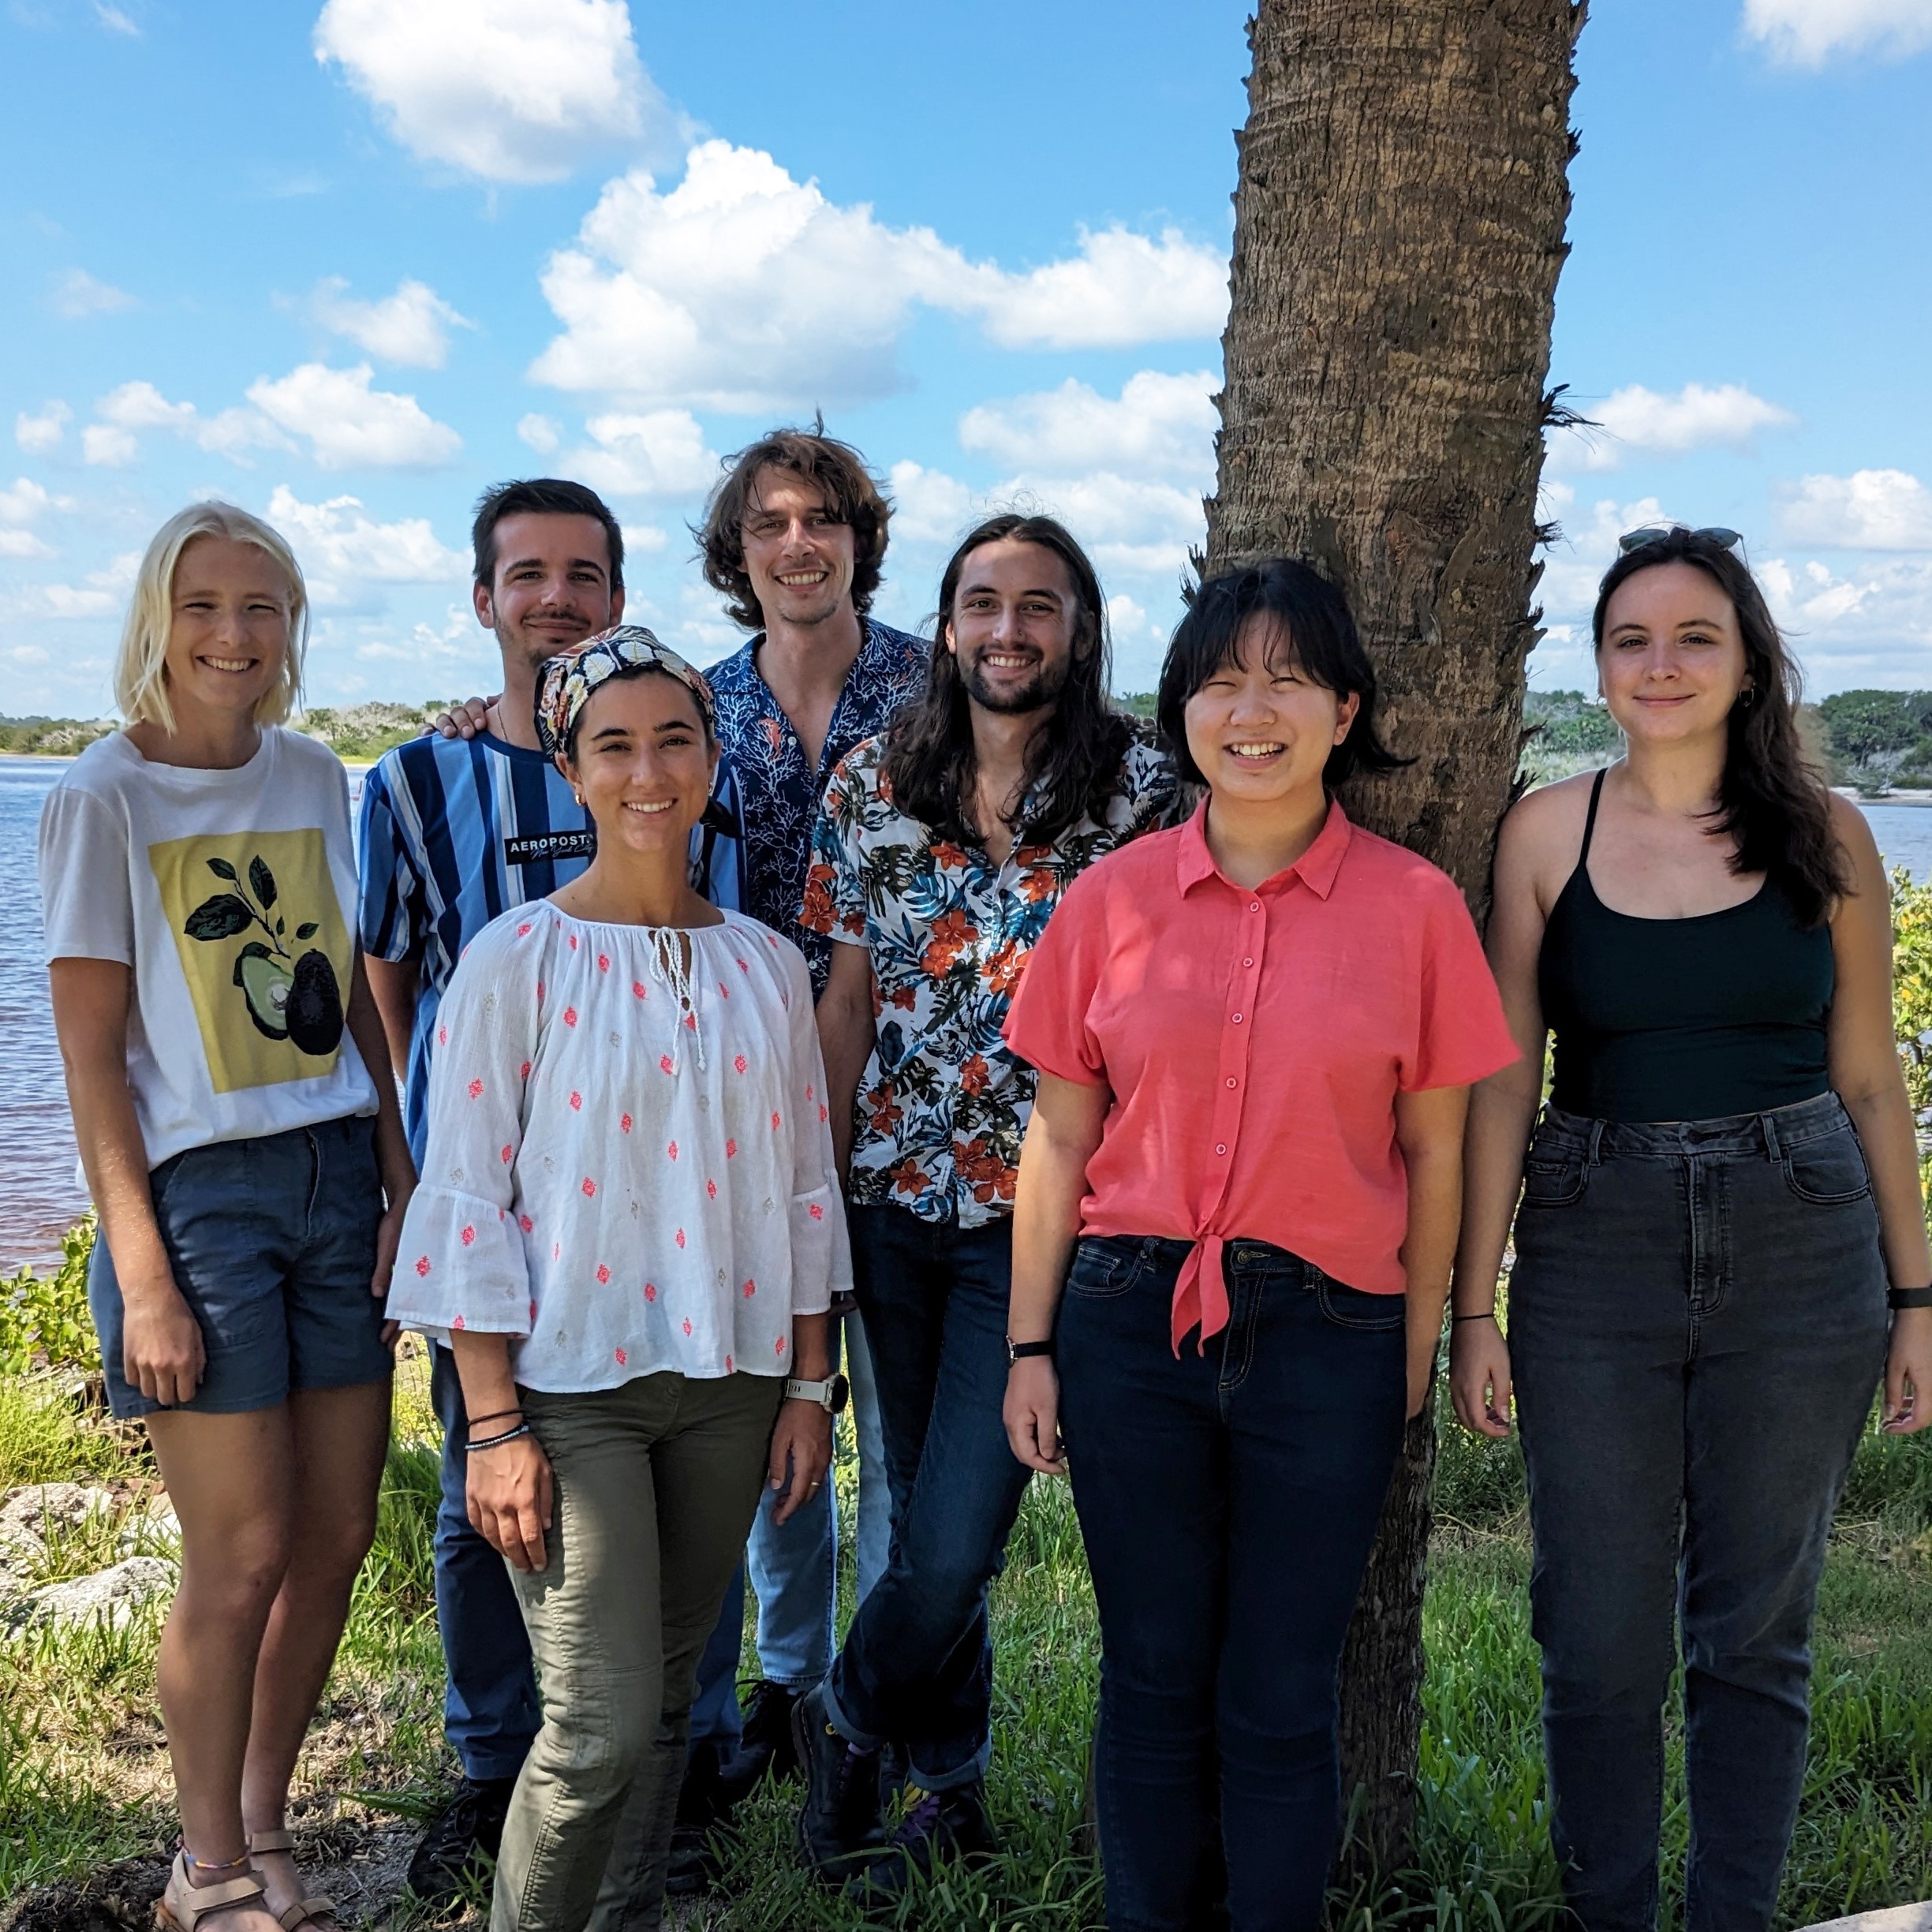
<point x="777" y="793"/>
<point x="944" y="1104"/>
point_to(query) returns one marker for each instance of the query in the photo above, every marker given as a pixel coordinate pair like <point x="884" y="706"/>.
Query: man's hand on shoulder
<point x="468" y="719"/>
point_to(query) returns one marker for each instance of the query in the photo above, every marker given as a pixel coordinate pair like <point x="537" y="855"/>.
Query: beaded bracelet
<point x="492" y="1442"/>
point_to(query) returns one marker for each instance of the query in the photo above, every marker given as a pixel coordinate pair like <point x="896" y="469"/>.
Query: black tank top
<point x="1682" y="1019"/>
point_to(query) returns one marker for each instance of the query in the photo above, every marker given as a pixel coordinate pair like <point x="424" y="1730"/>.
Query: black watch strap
<point x="1018" y="1351"/>
<point x="1908" y="1298"/>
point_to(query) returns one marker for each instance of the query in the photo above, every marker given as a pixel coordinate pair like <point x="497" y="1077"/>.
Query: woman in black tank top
<point x="1724" y="1181"/>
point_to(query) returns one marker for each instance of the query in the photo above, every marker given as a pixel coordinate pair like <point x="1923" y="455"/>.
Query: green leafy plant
<point x="44" y="1322"/>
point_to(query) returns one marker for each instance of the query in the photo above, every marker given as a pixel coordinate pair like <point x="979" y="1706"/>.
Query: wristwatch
<point x="1018" y="1351"/>
<point x="832" y="1394"/>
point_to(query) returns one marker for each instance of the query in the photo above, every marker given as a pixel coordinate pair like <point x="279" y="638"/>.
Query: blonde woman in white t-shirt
<point x="237" y="1120"/>
<point x="630" y="1231"/>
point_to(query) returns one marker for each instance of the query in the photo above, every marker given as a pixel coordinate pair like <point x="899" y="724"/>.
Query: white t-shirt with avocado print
<point x="232" y="894"/>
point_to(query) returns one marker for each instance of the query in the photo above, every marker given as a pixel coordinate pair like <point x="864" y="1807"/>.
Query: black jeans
<point x="917" y="1665"/>
<point x="1698" y="1324"/>
<point x="1229" y="1501"/>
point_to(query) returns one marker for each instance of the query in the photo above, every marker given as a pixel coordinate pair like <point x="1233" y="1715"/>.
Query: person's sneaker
<point x="841" y="1820"/>
<point x="941" y="1824"/>
<point x="461" y="1840"/>
<point x="694" y="1865"/>
<point x="765" y="1747"/>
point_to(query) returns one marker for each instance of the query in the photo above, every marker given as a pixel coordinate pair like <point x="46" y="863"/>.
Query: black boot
<point x="456" y="1852"/>
<point x="841" y="1821"/>
<point x="764" y="1748"/>
<point x="943" y="1824"/>
<point x="704" y="1808"/>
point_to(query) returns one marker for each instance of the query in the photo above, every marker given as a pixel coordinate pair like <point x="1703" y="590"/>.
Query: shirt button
<point x="1254" y="905"/>
<point x="1247" y="962"/>
<point x="1237" y="1020"/>
<point x="1233" y="1083"/>
<point x="1220" y="1147"/>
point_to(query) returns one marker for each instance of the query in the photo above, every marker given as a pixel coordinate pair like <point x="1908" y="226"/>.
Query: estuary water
<point x="39" y="1195"/>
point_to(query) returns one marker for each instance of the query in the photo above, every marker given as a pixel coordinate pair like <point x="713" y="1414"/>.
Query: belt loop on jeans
<point x="1594" y="1158"/>
<point x="1771" y="1147"/>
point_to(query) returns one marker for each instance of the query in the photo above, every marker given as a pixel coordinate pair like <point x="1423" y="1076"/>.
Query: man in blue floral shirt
<point x="941" y="851"/>
<point x="794" y="539"/>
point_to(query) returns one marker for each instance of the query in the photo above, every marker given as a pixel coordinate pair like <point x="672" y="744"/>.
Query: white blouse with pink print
<point x="629" y="1164"/>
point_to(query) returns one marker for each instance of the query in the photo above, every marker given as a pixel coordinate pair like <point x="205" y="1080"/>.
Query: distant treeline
<point x="1870" y="740"/>
<point x="359" y="732"/>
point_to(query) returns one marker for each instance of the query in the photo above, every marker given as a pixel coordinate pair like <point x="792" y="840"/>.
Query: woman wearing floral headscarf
<point x="629" y="1231"/>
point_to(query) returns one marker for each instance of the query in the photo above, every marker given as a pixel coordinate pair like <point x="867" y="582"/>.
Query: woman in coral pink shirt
<point x="1256" y="1036"/>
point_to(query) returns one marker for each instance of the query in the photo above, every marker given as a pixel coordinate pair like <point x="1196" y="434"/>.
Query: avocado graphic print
<point x="265" y="950"/>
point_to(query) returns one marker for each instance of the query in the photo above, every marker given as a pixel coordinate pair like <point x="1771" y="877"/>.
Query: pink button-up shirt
<point x="1254" y="1042"/>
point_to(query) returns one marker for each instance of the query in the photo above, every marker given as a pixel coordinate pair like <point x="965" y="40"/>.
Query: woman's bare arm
<point x="1061" y="1139"/>
<point x="1866" y="1076"/>
<point x="162" y="1354"/>
<point x="1501" y="1111"/>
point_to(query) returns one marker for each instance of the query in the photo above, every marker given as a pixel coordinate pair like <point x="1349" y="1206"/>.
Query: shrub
<point x="44" y="1322"/>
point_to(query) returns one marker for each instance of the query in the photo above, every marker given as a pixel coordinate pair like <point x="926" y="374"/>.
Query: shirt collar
<point x="1316" y="868"/>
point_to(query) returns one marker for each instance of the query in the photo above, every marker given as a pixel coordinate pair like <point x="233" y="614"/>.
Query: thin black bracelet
<point x="1908" y="1298"/>
<point x="492" y="1442"/>
<point x="495" y="1415"/>
<point x="1488" y="1315"/>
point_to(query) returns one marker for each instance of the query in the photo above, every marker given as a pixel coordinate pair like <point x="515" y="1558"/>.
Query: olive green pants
<point x="656" y="1483"/>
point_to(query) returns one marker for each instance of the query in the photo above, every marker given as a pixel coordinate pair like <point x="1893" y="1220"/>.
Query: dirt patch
<point x="361" y="1862"/>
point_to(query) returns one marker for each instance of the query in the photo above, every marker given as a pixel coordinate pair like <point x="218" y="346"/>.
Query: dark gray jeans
<point x="1698" y="1324"/>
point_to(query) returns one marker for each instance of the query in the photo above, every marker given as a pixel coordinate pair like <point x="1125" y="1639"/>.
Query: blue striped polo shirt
<point x="455" y="831"/>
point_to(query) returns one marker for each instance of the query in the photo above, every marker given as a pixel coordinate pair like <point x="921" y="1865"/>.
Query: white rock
<point x="1891" y="1918"/>
<point x="28" y="1513"/>
<point x="112" y="1594"/>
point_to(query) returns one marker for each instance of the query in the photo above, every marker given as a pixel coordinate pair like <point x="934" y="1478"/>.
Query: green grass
<point x="82" y="1769"/>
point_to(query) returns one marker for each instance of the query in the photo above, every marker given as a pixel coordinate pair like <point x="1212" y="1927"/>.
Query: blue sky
<point x="348" y="262"/>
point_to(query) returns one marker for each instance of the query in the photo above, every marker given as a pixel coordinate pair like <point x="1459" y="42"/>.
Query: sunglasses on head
<point x="1657" y="532"/>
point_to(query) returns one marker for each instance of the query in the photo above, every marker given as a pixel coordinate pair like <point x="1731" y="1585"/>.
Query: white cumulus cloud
<point x="1121" y="289"/>
<point x="1869" y="510"/>
<point x="1806" y="33"/>
<point x="112" y="440"/>
<point x="734" y="290"/>
<point x="929" y="506"/>
<point x="23" y="502"/>
<point x="346" y="422"/>
<point x="1161" y="425"/>
<point x="341" y="547"/>
<point x="660" y="453"/>
<point x="540" y="432"/>
<point x="411" y="327"/>
<point x="45" y="430"/>
<point x="77" y="294"/>
<point x="510" y="90"/>
<point x="1635" y="418"/>
<point x="103" y="594"/>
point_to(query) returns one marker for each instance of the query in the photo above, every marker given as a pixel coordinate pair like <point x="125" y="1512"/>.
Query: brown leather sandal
<point x="300" y="1913"/>
<point x="191" y="1903"/>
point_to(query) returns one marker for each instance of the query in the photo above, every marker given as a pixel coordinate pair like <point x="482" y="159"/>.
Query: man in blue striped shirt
<point x="455" y="831"/>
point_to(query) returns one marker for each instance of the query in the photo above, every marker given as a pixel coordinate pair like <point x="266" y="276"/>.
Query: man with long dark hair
<point x="942" y="848"/>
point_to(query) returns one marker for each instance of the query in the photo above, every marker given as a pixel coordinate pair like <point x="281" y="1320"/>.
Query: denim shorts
<point x="272" y="1243"/>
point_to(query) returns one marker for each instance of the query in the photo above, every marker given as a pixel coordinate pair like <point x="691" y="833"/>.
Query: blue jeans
<point x="794" y="1574"/>
<point x="1697" y="1324"/>
<point x="490" y="1711"/>
<point x="917" y="1664"/>
<point x="1229" y="1500"/>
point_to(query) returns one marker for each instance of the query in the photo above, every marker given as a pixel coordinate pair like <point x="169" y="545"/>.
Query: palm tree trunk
<point x="1399" y="228"/>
